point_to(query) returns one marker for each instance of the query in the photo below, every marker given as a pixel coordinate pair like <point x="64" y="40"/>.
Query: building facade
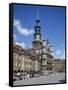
<point x="36" y="60"/>
<point x="58" y="65"/>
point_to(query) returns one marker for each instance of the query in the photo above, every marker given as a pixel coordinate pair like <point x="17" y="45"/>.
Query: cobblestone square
<point x="52" y="78"/>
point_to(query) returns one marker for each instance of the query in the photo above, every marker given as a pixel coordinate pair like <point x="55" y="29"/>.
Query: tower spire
<point x="37" y="19"/>
<point x="37" y="35"/>
<point x="38" y="15"/>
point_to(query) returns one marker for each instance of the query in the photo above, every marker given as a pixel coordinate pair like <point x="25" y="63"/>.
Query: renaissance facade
<point x="37" y="60"/>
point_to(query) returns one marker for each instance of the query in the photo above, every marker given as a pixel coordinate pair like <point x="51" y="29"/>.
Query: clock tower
<point x="36" y="44"/>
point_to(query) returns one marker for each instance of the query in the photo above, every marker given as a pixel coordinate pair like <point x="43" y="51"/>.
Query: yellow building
<point x="58" y="65"/>
<point x="23" y="61"/>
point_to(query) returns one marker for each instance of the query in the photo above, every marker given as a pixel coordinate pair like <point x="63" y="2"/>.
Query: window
<point x="44" y="56"/>
<point x="15" y="55"/>
<point x="19" y="57"/>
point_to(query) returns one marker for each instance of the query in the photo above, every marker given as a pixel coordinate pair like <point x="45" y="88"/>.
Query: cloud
<point x="14" y="37"/>
<point x="58" y="52"/>
<point x="63" y="55"/>
<point x="21" y="30"/>
<point x="23" y="45"/>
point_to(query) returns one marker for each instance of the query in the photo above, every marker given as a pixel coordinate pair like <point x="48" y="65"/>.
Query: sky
<point x="52" y="22"/>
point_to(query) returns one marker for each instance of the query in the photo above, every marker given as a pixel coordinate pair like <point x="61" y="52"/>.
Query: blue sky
<point x="52" y="22"/>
